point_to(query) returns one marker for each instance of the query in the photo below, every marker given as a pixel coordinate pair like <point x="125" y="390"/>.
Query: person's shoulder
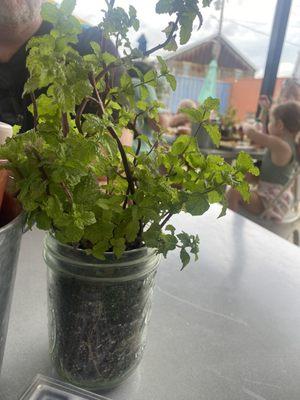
<point x="89" y="34"/>
<point x="94" y="34"/>
<point x="44" y="29"/>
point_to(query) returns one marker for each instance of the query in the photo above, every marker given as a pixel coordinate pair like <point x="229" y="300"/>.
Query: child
<point x="277" y="166"/>
<point x="180" y="124"/>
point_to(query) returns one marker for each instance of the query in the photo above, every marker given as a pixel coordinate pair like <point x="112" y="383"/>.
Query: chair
<point x="289" y="227"/>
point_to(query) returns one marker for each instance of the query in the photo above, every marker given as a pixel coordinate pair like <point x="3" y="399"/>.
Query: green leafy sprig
<point x="74" y="176"/>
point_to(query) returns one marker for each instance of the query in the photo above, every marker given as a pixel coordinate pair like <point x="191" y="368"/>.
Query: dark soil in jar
<point x="97" y="328"/>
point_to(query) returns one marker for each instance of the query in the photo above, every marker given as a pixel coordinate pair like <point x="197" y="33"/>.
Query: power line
<point x="259" y="32"/>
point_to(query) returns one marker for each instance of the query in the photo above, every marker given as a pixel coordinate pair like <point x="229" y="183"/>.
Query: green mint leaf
<point x="99" y="249"/>
<point x="181" y="144"/>
<point x="185" y="239"/>
<point x="108" y="58"/>
<point x="70" y="234"/>
<point x="170" y="228"/>
<point x="118" y="246"/>
<point x="244" y="189"/>
<point x="16" y="129"/>
<point x="132" y="230"/>
<point x="150" y="77"/>
<point x="96" y="48"/>
<point x="164" y="6"/>
<point x="211" y="104"/>
<point x="186" y="21"/>
<point x="67" y="6"/>
<point x="172" y="45"/>
<point x="163" y="65"/>
<point x="172" y="81"/>
<point x="214" y="197"/>
<point x="214" y="132"/>
<point x="185" y="258"/>
<point x="133" y="18"/>
<point x="197" y="204"/>
<point x="206" y="3"/>
<point x="50" y="13"/>
<point x="224" y="209"/>
<point x="195" y="115"/>
<point x="43" y="221"/>
<point x="244" y="163"/>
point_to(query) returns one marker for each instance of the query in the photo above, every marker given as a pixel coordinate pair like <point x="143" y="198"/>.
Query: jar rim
<point x="65" y="251"/>
<point x="68" y="246"/>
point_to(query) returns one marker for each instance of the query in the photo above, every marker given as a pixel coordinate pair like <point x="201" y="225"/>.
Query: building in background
<point x="244" y="95"/>
<point x="190" y="65"/>
<point x="193" y="60"/>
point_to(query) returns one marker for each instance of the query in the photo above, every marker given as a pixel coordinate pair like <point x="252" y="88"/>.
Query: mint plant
<point x="79" y="119"/>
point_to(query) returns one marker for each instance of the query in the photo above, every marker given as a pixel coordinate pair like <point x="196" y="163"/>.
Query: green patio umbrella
<point x="209" y="88"/>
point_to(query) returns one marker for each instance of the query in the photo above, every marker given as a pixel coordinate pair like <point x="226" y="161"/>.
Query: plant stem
<point x="65" y="124"/>
<point x="35" y="110"/>
<point x="146" y="54"/>
<point x="145" y="82"/>
<point x="67" y="192"/>
<point x="163" y="223"/>
<point x="155" y="144"/>
<point x="168" y="39"/>
<point x="136" y="135"/>
<point x="79" y="114"/>
<point x="114" y="134"/>
<point x="126" y="199"/>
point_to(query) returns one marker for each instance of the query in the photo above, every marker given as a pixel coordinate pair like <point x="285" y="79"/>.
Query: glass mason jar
<point x="98" y="312"/>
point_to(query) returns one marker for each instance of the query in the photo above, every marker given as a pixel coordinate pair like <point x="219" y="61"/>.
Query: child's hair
<point x="186" y="103"/>
<point x="289" y="114"/>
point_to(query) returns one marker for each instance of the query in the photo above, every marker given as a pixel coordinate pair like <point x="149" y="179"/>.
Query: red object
<point x="3" y="183"/>
<point x="10" y="209"/>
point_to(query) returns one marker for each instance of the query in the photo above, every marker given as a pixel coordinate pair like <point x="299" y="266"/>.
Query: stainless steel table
<point x="226" y="328"/>
<point x="229" y="155"/>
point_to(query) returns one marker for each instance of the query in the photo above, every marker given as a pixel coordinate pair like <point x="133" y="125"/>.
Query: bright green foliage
<point x="73" y="175"/>
<point x="186" y="12"/>
<point x="201" y="116"/>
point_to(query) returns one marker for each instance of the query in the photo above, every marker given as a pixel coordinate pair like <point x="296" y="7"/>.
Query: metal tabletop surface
<point x="225" y="328"/>
<point x="229" y="155"/>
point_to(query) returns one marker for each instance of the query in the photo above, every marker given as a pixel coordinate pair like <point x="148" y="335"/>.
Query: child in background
<point x="290" y="91"/>
<point x="277" y="165"/>
<point x="180" y="124"/>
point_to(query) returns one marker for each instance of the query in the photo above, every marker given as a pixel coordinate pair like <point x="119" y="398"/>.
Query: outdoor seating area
<point x="149" y="200"/>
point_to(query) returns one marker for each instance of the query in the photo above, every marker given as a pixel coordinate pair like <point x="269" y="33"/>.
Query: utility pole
<point x="296" y="73"/>
<point x="221" y="18"/>
<point x="280" y="22"/>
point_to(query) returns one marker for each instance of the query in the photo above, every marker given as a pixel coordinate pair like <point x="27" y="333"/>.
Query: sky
<point x="247" y="24"/>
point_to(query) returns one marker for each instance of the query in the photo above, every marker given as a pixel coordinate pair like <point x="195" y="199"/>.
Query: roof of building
<point x="202" y="52"/>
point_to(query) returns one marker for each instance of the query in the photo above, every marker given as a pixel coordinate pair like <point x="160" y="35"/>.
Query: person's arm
<point x="281" y="151"/>
<point x="127" y="137"/>
<point x="265" y="106"/>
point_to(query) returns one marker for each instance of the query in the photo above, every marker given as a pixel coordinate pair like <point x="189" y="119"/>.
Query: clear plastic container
<point x="44" y="388"/>
<point x="98" y="313"/>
